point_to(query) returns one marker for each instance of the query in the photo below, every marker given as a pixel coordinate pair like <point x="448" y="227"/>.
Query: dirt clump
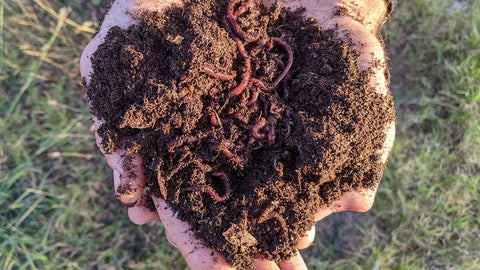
<point x="249" y="120"/>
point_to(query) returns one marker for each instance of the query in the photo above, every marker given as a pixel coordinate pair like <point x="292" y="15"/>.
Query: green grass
<point x="57" y="209"/>
<point x="427" y="210"/>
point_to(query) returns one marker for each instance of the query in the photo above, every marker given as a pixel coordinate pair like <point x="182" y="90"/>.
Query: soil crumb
<point x="248" y="120"/>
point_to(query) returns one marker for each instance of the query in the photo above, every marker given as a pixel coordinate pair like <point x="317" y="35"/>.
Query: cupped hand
<point x="354" y="20"/>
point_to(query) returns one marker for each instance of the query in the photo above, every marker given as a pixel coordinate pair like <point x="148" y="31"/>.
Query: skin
<point x="360" y="25"/>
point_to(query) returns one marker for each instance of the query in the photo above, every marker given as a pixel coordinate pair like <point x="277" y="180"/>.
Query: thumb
<point x="179" y="234"/>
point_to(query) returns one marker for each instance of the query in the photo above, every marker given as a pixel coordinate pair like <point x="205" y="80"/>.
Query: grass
<point x="57" y="210"/>
<point x="57" y="206"/>
<point x="427" y="210"/>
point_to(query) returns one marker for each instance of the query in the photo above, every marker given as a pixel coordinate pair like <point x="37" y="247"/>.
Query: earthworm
<point x="281" y="220"/>
<point x="271" y="135"/>
<point x="279" y="61"/>
<point x="224" y="147"/>
<point x="254" y="97"/>
<point x="162" y="180"/>
<point x="290" y="60"/>
<point x="248" y="67"/>
<point x="183" y="162"/>
<point x="260" y="61"/>
<point x="226" y="143"/>
<point x="214" y="119"/>
<point x="231" y="19"/>
<point x="226" y="182"/>
<point x="264" y="43"/>
<point x="186" y="138"/>
<point x="265" y="105"/>
<point x="288" y="113"/>
<point x="231" y="156"/>
<point x="162" y="183"/>
<point x="257" y="82"/>
<point x="246" y="75"/>
<point x="286" y="91"/>
<point x="266" y="213"/>
<point x="211" y="191"/>
<point x="226" y="121"/>
<point x="242" y="9"/>
<point x="269" y="214"/>
<point x="259" y="124"/>
<point x="217" y="75"/>
<point x="284" y="83"/>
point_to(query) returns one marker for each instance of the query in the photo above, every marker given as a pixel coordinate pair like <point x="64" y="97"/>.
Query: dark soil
<point x="247" y="175"/>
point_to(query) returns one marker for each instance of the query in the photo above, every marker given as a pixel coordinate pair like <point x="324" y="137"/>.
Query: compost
<point x="249" y="120"/>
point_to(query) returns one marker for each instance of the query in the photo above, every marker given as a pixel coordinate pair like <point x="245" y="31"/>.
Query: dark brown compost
<point x="249" y="120"/>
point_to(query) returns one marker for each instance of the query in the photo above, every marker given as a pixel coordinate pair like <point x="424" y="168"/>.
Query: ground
<point x="57" y="208"/>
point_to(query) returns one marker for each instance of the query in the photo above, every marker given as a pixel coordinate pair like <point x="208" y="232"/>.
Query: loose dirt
<point x="241" y="154"/>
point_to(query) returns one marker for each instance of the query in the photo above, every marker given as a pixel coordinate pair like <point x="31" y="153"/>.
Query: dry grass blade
<point x="1" y="36"/>
<point x="62" y="16"/>
<point x="51" y="11"/>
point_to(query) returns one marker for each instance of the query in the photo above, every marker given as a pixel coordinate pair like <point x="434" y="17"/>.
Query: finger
<point x="388" y="143"/>
<point x="128" y="173"/>
<point x="323" y="213"/>
<point x="372" y="55"/>
<point x="97" y="123"/>
<point x="119" y="14"/>
<point x="307" y="240"/>
<point x="357" y="201"/>
<point x="263" y="264"/>
<point x="143" y="212"/>
<point x="179" y="234"/>
<point x="128" y="176"/>
<point x="369" y="13"/>
<point x="294" y="263"/>
<point x="360" y="200"/>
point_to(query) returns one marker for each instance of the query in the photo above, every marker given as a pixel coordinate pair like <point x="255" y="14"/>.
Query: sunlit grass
<point x="426" y="212"/>
<point x="57" y="209"/>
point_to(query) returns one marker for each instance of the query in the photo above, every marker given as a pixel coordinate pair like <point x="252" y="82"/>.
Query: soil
<point x="247" y="168"/>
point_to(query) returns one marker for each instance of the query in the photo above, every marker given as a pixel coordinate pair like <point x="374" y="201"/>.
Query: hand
<point x="361" y="27"/>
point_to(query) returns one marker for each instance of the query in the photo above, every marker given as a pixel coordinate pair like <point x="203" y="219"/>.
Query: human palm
<point x="356" y="21"/>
